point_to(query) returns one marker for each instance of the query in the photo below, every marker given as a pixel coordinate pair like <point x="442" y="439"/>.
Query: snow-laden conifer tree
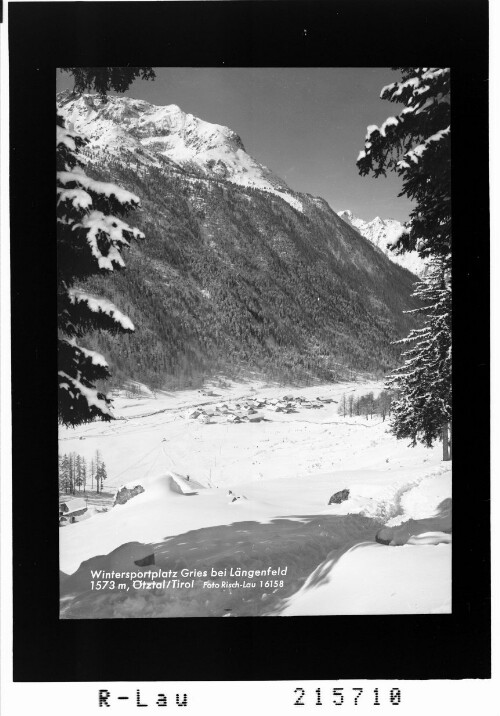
<point x="105" y="79"/>
<point x="91" y="235"/>
<point x="423" y="409"/>
<point x="416" y="145"/>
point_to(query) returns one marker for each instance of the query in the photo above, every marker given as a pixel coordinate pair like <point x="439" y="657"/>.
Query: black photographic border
<point x="46" y="35"/>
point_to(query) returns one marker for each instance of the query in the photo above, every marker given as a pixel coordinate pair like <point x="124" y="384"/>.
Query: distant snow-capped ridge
<point x="383" y="233"/>
<point x="155" y="134"/>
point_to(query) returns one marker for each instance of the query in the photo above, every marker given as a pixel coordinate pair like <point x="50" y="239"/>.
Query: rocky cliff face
<point x="154" y="133"/>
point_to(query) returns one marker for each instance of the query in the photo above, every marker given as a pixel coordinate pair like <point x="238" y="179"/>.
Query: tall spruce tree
<point x="416" y="145"/>
<point x="91" y="235"/>
<point x="64" y="474"/>
<point x="101" y="475"/>
<point x="423" y="409"/>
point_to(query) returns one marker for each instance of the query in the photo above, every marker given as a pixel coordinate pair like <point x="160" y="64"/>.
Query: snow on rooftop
<point x="73" y="504"/>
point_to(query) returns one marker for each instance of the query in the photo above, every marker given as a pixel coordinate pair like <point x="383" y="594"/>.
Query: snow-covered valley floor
<point x="262" y="462"/>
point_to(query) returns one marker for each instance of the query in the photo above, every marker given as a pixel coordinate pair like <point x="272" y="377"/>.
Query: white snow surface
<point x="375" y="579"/>
<point x="286" y="465"/>
<point x="382" y="233"/>
<point x="396" y="501"/>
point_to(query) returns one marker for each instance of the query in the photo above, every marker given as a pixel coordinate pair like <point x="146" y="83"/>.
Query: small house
<point x="71" y="509"/>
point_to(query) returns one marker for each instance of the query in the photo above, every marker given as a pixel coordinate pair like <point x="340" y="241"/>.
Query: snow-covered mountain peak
<point x="154" y="133"/>
<point x="382" y="233"/>
<point x="347" y="216"/>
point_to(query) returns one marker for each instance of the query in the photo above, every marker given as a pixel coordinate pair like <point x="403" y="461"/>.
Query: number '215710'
<point x="340" y="695"/>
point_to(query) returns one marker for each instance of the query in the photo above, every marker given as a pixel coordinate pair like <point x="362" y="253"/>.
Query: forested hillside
<point x="232" y="279"/>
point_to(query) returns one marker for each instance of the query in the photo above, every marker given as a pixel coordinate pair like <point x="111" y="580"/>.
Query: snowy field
<point x="262" y="462"/>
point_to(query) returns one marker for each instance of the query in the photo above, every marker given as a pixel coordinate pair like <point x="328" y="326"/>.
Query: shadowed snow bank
<point x="375" y="579"/>
<point x="297" y="544"/>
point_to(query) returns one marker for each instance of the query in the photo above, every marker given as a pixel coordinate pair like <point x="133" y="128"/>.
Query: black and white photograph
<point x="247" y="362"/>
<point x="254" y="288"/>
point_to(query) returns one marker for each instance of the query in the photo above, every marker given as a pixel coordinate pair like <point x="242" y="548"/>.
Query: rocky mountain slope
<point x="154" y="134"/>
<point x="238" y="273"/>
<point x="382" y="233"/>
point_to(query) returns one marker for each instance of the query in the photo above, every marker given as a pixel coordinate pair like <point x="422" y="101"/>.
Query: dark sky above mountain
<point x="306" y="124"/>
